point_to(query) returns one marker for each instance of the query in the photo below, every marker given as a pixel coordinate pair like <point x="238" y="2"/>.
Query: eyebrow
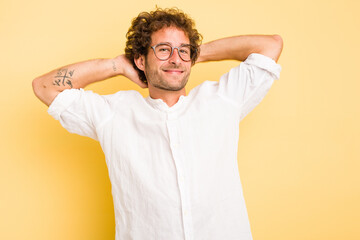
<point x="181" y="45"/>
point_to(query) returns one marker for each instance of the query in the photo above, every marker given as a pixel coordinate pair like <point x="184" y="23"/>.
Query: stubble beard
<point x="164" y="85"/>
<point x="156" y="79"/>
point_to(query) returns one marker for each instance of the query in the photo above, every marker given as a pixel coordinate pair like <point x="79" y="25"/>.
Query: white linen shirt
<point x="173" y="170"/>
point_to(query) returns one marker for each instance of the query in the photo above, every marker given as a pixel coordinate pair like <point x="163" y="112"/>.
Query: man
<point x="171" y="157"/>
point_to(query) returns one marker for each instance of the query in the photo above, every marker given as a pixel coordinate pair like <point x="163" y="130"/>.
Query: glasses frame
<point x="172" y="51"/>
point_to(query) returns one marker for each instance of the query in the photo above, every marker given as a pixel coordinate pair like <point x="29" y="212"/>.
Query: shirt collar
<point x="162" y="106"/>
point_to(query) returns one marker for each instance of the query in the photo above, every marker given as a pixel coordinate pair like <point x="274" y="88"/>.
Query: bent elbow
<point x="277" y="47"/>
<point x="38" y="87"/>
<point x="272" y="47"/>
<point x="279" y="41"/>
<point x="42" y="92"/>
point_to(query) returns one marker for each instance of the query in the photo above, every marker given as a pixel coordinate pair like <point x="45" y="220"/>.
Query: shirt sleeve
<point x="247" y="84"/>
<point x="81" y="112"/>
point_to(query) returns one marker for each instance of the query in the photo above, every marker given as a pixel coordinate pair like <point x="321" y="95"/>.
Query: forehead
<point x="172" y="35"/>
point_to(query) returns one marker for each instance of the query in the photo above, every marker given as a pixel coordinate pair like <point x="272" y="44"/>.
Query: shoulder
<point x="72" y="94"/>
<point x="262" y="62"/>
<point x="86" y="99"/>
<point x="205" y="88"/>
<point x="125" y="96"/>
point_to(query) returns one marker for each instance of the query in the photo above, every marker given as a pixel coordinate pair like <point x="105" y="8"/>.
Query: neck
<point x="169" y="97"/>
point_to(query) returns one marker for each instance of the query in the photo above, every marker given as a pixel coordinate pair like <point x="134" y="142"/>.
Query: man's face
<point x="173" y="73"/>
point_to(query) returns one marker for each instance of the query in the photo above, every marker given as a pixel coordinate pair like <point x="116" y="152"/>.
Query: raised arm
<point x="79" y="75"/>
<point x="240" y="47"/>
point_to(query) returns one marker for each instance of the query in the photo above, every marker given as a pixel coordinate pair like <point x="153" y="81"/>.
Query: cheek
<point x="150" y="67"/>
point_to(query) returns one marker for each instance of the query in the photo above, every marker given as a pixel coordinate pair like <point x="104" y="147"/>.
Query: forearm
<point x="240" y="47"/>
<point x="78" y="75"/>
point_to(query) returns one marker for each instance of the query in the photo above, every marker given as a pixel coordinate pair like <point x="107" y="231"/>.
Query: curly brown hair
<point x="145" y="24"/>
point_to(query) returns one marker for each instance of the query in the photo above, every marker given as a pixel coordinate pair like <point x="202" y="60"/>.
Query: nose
<point x="175" y="57"/>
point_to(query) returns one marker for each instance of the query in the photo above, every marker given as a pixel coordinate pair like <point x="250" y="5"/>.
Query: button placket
<point x="175" y="145"/>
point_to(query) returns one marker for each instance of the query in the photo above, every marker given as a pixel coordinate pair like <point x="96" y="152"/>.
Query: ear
<point x="140" y="62"/>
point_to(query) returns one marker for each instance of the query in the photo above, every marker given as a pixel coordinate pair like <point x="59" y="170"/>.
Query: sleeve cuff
<point x="62" y="101"/>
<point x="264" y="62"/>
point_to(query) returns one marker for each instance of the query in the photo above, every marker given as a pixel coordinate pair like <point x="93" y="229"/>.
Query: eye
<point x="163" y="48"/>
<point x="185" y="51"/>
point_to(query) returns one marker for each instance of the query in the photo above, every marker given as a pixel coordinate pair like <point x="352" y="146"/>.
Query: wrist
<point x="116" y="65"/>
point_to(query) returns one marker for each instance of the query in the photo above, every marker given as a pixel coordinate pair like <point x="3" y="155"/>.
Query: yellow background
<point x="298" y="152"/>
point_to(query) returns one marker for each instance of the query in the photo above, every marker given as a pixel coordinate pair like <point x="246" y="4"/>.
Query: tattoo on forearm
<point x="114" y="66"/>
<point x="63" y="76"/>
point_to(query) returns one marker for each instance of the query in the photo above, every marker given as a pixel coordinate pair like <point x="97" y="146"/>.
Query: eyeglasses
<point x="164" y="51"/>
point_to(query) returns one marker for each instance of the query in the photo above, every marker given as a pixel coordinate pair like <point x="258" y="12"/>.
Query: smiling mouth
<point x="173" y="71"/>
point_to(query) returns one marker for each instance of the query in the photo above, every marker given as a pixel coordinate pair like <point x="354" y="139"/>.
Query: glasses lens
<point x="185" y="53"/>
<point x="163" y="51"/>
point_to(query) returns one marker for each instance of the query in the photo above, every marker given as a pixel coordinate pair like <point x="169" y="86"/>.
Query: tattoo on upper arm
<point x="114" y="66"/>
<point x="63" y="76"/>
